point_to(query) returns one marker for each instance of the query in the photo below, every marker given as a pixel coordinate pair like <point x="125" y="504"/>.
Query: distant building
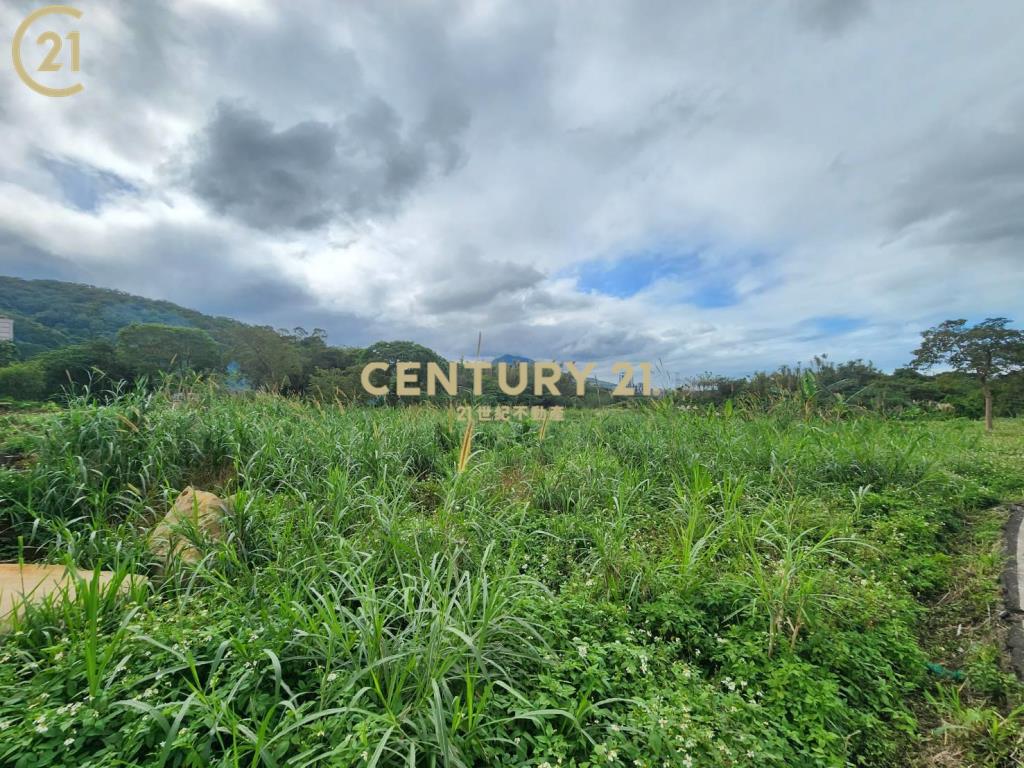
<point x="6" y="329"/>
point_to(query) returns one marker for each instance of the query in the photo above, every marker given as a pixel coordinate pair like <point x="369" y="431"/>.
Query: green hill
<point x="49" y="314"/>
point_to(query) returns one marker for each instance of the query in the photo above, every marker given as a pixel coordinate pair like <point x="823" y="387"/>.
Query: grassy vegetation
<point x="640" y="587"/>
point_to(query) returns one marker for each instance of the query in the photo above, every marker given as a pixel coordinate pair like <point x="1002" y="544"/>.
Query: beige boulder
<point x="195" y="515"/>
<point x="25" y="583"/>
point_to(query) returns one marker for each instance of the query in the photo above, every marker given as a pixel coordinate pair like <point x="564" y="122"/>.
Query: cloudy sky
<point x="719" y="186"/>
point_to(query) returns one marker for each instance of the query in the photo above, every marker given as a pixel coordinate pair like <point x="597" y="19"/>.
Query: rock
<point x="33" y="584"/>
<point x="195" y="515"/>
<point x="11" y="459"/>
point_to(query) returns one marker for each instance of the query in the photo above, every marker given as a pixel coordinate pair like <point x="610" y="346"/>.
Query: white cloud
<point x="867" y="153"/>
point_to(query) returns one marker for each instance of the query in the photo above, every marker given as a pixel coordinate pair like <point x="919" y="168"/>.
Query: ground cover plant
<point x="642" y="587"/>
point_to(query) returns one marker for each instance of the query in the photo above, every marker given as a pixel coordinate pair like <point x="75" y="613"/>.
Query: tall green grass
<point x="626" y="587"/>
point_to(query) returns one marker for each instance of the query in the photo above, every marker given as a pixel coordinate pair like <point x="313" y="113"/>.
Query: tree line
<point x="291" y="362"/>
<point x="983" y="376"/>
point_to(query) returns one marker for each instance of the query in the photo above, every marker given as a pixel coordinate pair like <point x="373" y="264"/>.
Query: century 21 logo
<point x="52" y="62"/>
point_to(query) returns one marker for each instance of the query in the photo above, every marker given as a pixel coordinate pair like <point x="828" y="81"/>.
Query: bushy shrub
<point x="23" y="381"/>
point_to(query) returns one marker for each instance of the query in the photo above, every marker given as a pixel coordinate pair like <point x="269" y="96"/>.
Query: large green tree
<point x="148" y="349"/>
<point x="331" y="384"/>
<point x="266" y="358"/>
<point x="986" y="351"/>
<point x="315" y="355"/>
<point x="8" y="353"/>
<point x="393" y="352"/>
<point x="48" y="375"/>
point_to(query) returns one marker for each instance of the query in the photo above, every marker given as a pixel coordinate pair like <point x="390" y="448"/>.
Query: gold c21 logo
<point x="53" y="61"/>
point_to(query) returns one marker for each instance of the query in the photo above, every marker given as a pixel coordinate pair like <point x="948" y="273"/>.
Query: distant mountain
<point x="511" y="359"/>
<point x="49" y="314"/>
<point x="608" y="386"/>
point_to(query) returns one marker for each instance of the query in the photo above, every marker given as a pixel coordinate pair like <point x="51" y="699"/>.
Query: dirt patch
<point x="24" y="584"/>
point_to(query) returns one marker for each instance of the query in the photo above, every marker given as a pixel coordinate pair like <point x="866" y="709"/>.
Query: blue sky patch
<point x="836" y="325"/>
<point x="626" y="276"/>
<point x="84" y="186"/>
<point x="704" y="285"/>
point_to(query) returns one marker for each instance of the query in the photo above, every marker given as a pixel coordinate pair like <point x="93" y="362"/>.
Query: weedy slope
<point x="641" y="587"/>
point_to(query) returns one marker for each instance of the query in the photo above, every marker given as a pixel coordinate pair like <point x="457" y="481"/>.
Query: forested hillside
<point x="49" y="314"/>
<point x="66" y="332"/>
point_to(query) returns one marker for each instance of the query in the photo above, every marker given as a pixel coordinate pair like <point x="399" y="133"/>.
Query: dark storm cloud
<point x="608" y="343"/>
<point x="19" y="258"/>
<point x="974" y="195"/>
<point x="472" y="282"/>
<point x="304" y="176"/>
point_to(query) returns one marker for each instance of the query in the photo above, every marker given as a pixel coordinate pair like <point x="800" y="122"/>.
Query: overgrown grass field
<point x="644" y="587"/>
